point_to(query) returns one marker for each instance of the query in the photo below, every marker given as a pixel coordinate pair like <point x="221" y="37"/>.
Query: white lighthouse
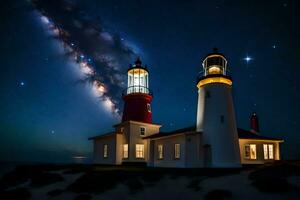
<point x="215" y="114"/>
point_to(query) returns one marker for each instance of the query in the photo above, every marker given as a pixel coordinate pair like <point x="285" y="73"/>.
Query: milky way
<point x="99" y="54"/>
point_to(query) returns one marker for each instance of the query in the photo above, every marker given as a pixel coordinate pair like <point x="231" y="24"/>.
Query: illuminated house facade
<point x="215" y="140"/>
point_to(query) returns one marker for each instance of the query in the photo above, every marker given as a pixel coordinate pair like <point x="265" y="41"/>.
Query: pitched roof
<point x="191" y="129"/>
<point x="102" y="135"/>
<point x="244" y="134"/>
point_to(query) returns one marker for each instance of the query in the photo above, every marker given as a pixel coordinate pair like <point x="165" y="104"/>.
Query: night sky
<point x="48" y="104"/>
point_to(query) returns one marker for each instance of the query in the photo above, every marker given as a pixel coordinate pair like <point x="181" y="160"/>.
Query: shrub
<point x="19" y="193"/>
<point x="194" y="184"/>
<point x="83" y="197"/>
<point x="218" y="195"/>
<point x="42" y="179"/>
<point x="55" y="192"/>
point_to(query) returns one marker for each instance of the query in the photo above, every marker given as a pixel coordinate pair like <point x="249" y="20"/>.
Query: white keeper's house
<point x="214" y="141"/>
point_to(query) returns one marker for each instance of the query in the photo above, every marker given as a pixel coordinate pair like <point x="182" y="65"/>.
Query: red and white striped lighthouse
<point x="137" y="97"/>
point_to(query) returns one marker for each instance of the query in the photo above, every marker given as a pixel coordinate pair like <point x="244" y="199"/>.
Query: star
<point x="247" y="59"/>
<point x="22" y="83"/>
<point x="274" y="46"/>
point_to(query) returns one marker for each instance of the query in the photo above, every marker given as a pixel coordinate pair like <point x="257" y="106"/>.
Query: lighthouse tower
<point x="137" y="98"/>
<point x="215" y="114"/>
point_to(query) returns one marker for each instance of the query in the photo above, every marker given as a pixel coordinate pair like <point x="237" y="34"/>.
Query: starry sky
<point x="48" y="104"/>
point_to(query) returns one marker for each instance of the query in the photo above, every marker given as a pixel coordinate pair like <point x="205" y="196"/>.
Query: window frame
<point x="142" y="127"/>
<point x="125" y="152"/>
<point x="149" y="107"/>
<point x="160" y="152"/>
<point x="177" y="151"/>
<point x="249" y="157"/>
<point x="222" y="119"/>
<point x="267" y="154"/>
<point x="207" y="94"/>
<point x="139" y="153"/>
<point x="105" y="150"/>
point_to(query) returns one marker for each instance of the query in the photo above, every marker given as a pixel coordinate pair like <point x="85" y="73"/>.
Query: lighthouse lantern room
<point x="138" y="79"/>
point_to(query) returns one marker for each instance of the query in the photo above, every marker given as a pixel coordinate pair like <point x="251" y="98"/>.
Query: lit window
<point x="177" y="151"/>
<point x="122" y="129"/>
<point x="160" y="151"/>
<point x="148" y="107"/>
<point x="105" y="151"/>
<point x="268" y="151"/>
<point x="139" y="151"/>
<point x="250" y="151"/>
<point x="143" y="131"/>
<point x="125" y="151"/>
<point x="271" y="151"/>
<point x="247" y="151"/>
<point x="266" y="155"/>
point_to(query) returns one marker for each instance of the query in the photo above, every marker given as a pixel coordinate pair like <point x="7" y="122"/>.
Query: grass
<point x="45" y="178"/>
<point x="272" y="177"/>
<point x="19" y="193"/>
<point x="194" y="185"/>
<point x="83" y="197"/>
<point x="55" y="192"/>
<point x="218" y="195"/>
<point x="97" y="179"/>
<point x="38" y="175"/>
<point x="100" y="178"/>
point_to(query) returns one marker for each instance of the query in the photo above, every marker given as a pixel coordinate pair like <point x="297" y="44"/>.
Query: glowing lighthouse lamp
<point x="215" y="114"/>
<point x="138" y="78"/>
<point x="137" y="98"/>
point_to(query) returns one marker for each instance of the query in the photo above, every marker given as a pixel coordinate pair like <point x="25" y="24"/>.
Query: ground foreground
<point x="280" y="180"/>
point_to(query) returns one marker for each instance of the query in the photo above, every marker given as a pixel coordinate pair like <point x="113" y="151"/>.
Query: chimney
<point x="254" y="123"/>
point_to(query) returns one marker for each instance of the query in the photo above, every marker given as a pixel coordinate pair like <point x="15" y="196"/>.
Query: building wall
<point x="194" y="151"/>
<point x="169" y="153"/>
<point x="119" y="148"/>
<point x="259" y="151"/>
<point x="132" y="135"/>
<point x="99" y="150"/>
